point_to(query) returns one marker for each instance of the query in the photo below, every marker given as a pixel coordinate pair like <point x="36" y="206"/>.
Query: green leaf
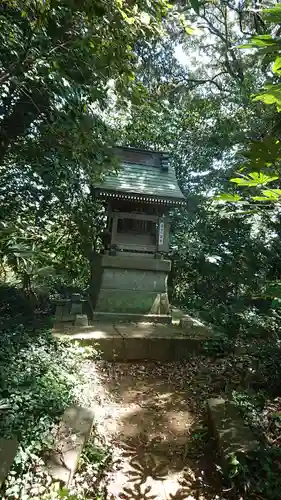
<point x="277" y="65"/>
<point x="260" y="198"/>
<point x="45" y="271"/>
<point x="272" y="192"/>
<point x="189" y="30"/>
<point x="228" y="197"/>
<point x="271" y="95"/>
<point x="273" y="15"/>
<point x="254" y="179"/>
<point x="262" y="178"/>
<point x="185" y="25"/>
<point x="243" y="182"/>
<point x="259" y="41"/>
<point x="269" y="195"/>
<point x="234" y="460"/>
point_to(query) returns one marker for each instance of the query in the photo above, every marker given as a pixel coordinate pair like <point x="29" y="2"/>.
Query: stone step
<point x="233" y="437"/>
<point x="73" y="432"/>
<point x="116" y="317"/>
<point x="8" y="450"/>
<point x="135" y="342"/>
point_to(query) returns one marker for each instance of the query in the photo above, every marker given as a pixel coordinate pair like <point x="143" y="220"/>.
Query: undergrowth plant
<point x="40" y="376"/>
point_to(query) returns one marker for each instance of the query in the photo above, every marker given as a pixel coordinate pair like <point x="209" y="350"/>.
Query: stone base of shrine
<point x="130" y="285"/>
<point x="136" y="341"/>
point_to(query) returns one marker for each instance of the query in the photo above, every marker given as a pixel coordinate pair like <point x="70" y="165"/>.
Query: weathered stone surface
<point x="68" y="318"/>
<point x="8" y="450"/>
<point x="76" y="308"/>
<point x="103" y="337"/>
<point x="81" y="320"/>
<point x="194" y="326"/>
<point x="73" y="432"/>
<point x="59" y="312"/>
<point x="232" y="435"/>
<point x="76" y="297"/>
<point x="118" y="317"/>
<point x="66" y="310"/>
<point x="134" y="341"/>
<point x="129" y="342"/>
<point x="131" y="301"/>
<point x="184" y="348"/>
<point x="134" y="279"/>
<point x="130" y="285"/>
<point x="137" y="263"/>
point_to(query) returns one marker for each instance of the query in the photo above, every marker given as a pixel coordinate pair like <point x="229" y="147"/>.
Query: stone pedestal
<point x="132" y="285"/>
<point x="69" y="309"/>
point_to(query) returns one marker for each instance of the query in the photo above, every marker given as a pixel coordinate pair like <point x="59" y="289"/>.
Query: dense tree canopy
<point x="199" y="79"/>
<point x="77" y="78"/>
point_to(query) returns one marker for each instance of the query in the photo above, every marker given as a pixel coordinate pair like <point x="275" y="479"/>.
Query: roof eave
<point x="165" y="200"/>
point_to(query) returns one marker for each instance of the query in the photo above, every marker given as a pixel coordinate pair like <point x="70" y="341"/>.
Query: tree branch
<point x="28" y="107"/>
<point x="203" y="81"/>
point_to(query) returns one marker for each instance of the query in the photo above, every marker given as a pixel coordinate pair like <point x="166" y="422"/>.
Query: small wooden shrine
<point x="131" y="276"/>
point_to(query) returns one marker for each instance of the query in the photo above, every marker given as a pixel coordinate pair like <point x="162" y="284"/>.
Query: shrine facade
<point x="131" y="276"/>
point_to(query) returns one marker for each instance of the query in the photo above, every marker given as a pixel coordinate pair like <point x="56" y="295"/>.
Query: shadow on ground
<point x="156" y="421"/>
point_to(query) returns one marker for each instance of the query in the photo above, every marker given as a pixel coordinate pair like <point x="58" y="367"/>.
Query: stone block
<point x="8" y="451"/>
<point x="233" y="436"/>
<point x="118" y="317"/>
<point x="102" y="337"/>
<point x="194" y="326"/>
<point x="68" y="318"/>
<point x="133" y="279"/>
<point x="76" y="297"/>
<point x="129" y="301"/>
<point x="133" y="341"/>
<point x="136" y="349"/>
<point x="133" y="285"/>
<point x="160" y="349"/>
<point x="73" y="432"/>
<point x="123" y="262"/>
<point x="59" y="312"/>
<point x="112" y="349"/>
<point x="185" y="347"/>
<point x="81" y="320"/>
<point x="76" y="308"/>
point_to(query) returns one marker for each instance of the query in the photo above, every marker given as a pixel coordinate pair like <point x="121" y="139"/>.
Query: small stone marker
<point x="232" y="435"/>
<point x="76" y="304"/>
<point x="74" y="430"/>
<point x="76" y="308"/>
<point x="194" y="326"/>
<point x="81" y="320"/>
<point x="8" y="450"/>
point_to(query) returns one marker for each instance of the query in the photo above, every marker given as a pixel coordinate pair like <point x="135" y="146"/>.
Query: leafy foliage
<point x="39" y="379"/>
<point x="77" y="78"/>
<point x="63" y="65"/>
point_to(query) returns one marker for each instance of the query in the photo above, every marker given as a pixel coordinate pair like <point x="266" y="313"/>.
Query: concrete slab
<point x="104" y="337"/>
<point x="134" y="341"/>
<point x="232" y="435"/>
<point x="8" y="450"/>
<point x="93" y="330"/>
<point x="187" y="346"/>
<point x="160" y="349"/>
<point x="148" y="330"/>
<point x="74" y="430"/>
<point x="108" y="317"/>
<point x="195" y="327"/>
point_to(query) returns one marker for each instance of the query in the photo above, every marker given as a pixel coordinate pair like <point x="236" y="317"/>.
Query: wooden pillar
<point x="114" y="229"/>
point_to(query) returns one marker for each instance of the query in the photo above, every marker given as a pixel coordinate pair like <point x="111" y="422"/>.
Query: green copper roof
<point x="144" y="181"/>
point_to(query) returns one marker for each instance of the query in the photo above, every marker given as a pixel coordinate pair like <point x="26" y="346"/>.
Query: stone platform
<point x="136" y="341"/>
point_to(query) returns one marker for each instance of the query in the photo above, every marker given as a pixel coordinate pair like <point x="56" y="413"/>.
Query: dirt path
<point x="153" y="416"/>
